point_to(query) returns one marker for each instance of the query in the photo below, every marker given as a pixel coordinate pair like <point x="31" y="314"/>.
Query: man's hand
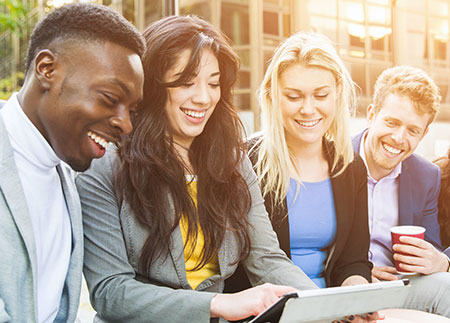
<point x="249" y="302"/>
<point x="362" y="318"/>
<point x="384" y="273"/>
<point x="366" y="318"/>
<point x="419" y="256"/>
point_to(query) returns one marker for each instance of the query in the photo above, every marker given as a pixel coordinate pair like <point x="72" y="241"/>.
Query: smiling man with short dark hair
<point x="83" y="77"/>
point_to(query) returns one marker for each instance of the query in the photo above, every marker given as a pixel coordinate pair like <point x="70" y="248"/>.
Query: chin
<point x="78" y="165"/>
<point x="387" y="165"/>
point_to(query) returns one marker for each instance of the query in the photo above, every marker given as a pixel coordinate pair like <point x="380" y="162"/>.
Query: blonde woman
<point x="315" y="188"/>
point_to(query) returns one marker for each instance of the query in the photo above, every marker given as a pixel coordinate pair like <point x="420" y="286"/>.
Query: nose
<point x="201" y="96"/>
<point x="307" y="106"/>
<point x="122" y="120"/>
<point x="399" y="134"/>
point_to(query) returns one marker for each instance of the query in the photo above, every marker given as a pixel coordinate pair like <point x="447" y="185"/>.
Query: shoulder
<point x="246" y="169"/>
<point x="425" y="175"/>
<point x="3" y="134"/>
<point x="6" y="150"/>
<point x="357" y="165"/>
<point x="354" y="175"/>
<point x="254" y="140"/>
<point x="253" y="144"/>
<point x="420" y="167"/>
<point x="442" y="162"/>
<point x="102" y="169"/>
<point x="355" y="168"/>
<point x="356" y="141"/>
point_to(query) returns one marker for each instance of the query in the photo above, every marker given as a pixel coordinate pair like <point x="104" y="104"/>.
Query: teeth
<point x="391" y="149"/>
<point x="102" y="142"/>
<point x="308" y="123"/>
<point x="194" y="114"/>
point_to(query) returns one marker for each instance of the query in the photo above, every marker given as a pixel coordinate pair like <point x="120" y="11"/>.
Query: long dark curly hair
<point x="151" y="176"/>
<point x="444" y="201"/>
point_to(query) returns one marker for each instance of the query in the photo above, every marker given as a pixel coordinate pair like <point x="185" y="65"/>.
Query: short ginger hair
<point x="411" y="82"/>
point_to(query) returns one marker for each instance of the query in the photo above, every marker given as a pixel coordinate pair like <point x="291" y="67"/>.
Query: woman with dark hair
<point x="170" y="214"/>
<point x="444" y="199"/>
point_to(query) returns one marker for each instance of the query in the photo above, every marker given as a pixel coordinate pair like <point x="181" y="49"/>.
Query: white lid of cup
<point x="408" y="229"/>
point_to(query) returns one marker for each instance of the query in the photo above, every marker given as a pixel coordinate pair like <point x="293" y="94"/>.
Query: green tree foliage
<point x="7" y="85"/>
<point x="12" y="15"/>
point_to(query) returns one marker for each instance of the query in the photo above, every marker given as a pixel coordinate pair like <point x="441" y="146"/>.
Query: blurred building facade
<point x="370" y="35"/>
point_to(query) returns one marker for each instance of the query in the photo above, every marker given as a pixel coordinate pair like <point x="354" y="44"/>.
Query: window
<point x="235" y="24"/>
<point x="153" y="11"/>
<point x="128" y="10"/>
<point x="362" y="33"/>
<point x="199" y="8"/>
<point x="427" y="31"/>
<point x="276" y="27"/>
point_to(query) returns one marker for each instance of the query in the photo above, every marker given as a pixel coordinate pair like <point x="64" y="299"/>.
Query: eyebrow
<point x="120" y="84"/>
<point x="212" y="74"/>
<point x="124" y="88"/>
<point x="315" y="90"/>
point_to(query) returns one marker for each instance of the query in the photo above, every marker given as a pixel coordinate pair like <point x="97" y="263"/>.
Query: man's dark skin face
<point x="82" y="94"/>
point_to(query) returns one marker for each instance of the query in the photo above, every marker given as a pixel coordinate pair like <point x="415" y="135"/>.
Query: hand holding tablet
<point x="336" y="303"/>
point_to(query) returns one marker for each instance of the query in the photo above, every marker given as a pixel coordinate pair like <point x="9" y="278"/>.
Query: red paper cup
<point x="405" y="230"/>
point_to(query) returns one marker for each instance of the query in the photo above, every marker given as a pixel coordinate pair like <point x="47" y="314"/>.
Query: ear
<point x="44" y="68"/>
<point x="370" y="113"/>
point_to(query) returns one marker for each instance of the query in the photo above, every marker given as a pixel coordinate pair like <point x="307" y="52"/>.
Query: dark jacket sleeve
<point x="350" y="253"/>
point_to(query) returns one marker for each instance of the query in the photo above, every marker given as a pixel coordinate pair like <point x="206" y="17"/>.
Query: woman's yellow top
<point x="192" y="257"/>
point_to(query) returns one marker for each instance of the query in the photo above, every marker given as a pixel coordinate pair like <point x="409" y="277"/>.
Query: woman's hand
<point x="249" y="302"/>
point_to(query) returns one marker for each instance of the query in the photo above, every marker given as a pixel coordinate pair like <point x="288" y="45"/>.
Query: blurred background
<point x="371" y="35"/>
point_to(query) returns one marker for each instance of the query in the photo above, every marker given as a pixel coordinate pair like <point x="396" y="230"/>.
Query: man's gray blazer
<point x="18" y="267"/>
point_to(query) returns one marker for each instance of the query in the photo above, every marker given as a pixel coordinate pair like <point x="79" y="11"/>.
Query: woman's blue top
<point x="312" y="226"/>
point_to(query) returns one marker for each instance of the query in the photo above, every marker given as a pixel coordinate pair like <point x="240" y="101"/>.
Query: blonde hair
<point x="411" y="82"/>
<point x="275" y="163"/>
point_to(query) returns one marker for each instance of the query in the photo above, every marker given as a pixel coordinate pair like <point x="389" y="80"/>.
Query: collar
<point x="392" y="175"/>
<point x="25" y="138"/>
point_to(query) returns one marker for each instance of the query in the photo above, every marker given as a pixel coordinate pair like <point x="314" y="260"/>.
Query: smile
<point x="308" y="124"/>
<point x="99" y="140"/>
<point x="390" y="149"/>
<point x="194" y="114"/>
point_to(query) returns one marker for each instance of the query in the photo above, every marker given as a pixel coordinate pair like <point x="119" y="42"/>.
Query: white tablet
<point x="328" y="304"/>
